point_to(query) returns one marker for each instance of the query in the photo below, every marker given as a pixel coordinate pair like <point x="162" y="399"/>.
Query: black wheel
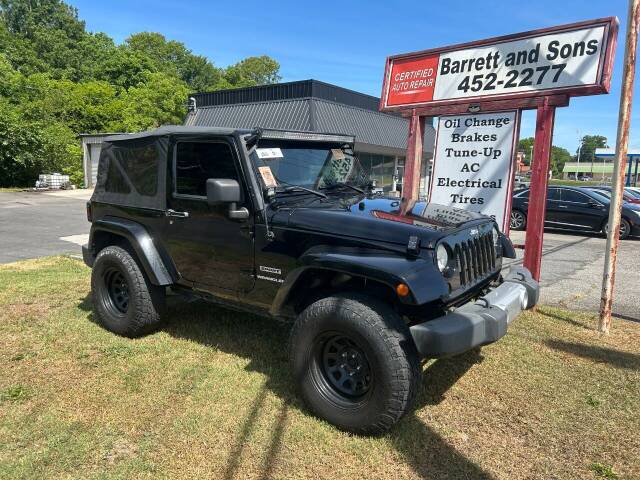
<point x="355" y="363"/>
<point x="124" y="301"/>
<point x="625" y="228"/>
<point x="518" y="220"/>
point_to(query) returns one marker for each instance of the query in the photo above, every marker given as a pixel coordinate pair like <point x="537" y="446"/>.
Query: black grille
<point x="475" y="258"/>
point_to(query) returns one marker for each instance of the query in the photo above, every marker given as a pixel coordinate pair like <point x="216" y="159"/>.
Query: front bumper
<point x="479" y="323"/>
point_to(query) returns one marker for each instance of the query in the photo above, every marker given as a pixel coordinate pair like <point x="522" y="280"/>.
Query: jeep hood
<point x="376" y="219"/>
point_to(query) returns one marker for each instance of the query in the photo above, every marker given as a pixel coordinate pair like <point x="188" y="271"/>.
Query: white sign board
<point x="574" y="59"/>
<point x="557" y="60"/>
<point x="472" y="166"/>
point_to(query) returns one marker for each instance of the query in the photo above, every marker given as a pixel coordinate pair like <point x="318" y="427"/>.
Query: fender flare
<point x="159" y="271"/>
<point x="419" y="274"/>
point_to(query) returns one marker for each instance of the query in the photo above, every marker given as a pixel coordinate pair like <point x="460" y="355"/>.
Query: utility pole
<point x="531" y="158"/>
<point x="622" y="144"/>
<point x="578" y="157"/>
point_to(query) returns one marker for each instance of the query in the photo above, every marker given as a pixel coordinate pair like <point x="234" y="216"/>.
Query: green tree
<point x="160" y="100"/>
<point x="175" y="59"/>
<point x="52" y="30"/>
<point x="589" y="144"/>
<point x="58" y="80"/>
<point x="125" y="68"/>
<point x="525" y="145"/>
<point x="30" y="148"/>
<point x="252" y="71"/>
<point x="559" y="156"/>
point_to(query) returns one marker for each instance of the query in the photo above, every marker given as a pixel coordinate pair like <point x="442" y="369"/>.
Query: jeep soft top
<point x="285" y="224"/>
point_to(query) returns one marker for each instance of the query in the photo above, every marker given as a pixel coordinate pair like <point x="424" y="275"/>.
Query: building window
<point x="381" y="168"/>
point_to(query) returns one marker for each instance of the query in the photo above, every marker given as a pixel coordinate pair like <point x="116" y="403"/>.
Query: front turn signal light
<point x="402" y="290"/>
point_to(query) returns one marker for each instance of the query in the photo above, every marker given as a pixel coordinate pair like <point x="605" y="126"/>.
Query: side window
<point x="115" y="182"/>
<point x="198" y="161"/>
<point x="553" y="194"/>
<point x="141" y="167"/>
<point x="573" y="196"/>
<point x="137" y="167"/>
<point x="524" y="194"/>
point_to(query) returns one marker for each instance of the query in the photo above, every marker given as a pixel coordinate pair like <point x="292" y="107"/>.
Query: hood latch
<point x="413" y="246"/>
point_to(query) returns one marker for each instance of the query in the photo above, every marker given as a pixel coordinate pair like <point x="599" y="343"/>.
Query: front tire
<point x="625" y="228"/>
<point x="355" y="363"/>
<point x="124" y="301"/>
<point x="518" y="220"/>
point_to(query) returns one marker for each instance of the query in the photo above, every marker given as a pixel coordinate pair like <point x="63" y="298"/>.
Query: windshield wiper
<point x="293" y="188"/>
<point x="343" y="184"/>
<point x="290" y="187"/>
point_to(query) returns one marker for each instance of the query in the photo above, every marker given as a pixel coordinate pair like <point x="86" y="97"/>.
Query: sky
<point x="346" y="42"/>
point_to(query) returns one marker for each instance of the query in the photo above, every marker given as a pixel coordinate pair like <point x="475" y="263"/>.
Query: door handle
<point x="562" y="206"/>
<point x="173" y="213"/>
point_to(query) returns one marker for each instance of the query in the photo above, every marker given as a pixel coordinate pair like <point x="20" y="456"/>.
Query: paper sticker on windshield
<point x="269" y="153"/>
<point x="337" y="153"/>
<point x="267" y="177"/>
<point x="339" y="170"/>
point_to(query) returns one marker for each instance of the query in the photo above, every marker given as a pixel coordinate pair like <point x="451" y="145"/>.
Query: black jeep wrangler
<point x="284" y="224"/>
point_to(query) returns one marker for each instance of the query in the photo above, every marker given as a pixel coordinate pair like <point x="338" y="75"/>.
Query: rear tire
<point x="625" y="228"/>
<point x="355" y="363"/>
<point x="124" y="301"/>
<point x="518" y="220"/>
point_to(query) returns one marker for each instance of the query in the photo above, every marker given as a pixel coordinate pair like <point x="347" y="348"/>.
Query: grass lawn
<point x="210" y="397"/>
<point x="575" y="183"/>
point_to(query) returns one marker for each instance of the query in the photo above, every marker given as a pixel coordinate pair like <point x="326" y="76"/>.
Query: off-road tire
<point x="390" y="355"/>
<point x="145" y="303"/>
<point x="518" y="220"/>
<point x="625" y="228"/>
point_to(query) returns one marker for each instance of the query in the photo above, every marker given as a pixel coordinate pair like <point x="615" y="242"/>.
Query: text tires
<point x="355" y="363"/>
<point x="124" y="301"/>
<point x="518" y="220"/>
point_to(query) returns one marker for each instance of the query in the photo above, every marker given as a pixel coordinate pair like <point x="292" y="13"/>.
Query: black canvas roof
<point x="175" y="130"/>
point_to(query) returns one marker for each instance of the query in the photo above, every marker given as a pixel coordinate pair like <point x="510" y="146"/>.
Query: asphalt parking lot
<point x="572" y="267"/>
<point x="40" y="224"/>
<point x="34" y="224"/>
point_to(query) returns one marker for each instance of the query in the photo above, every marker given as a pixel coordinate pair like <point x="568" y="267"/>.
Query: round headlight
<point x="442" y="257"/>
<point x="496" y="236"/>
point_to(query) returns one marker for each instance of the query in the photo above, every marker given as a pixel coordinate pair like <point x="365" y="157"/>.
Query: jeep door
<point x="210" y="250"/>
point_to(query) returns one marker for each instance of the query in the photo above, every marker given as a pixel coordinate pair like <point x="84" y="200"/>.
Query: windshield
<point x="311" y="165"/>
<point x="633" y="193"/>
<point x="626" y="196"/>
<point x="601" y="195"/>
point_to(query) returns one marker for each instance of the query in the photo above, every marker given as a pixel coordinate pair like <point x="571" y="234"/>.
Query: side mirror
<point x="593" y="204"/>
<point x="225" y="190"/>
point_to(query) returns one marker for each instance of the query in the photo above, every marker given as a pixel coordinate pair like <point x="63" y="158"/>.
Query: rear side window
<point x="553" y="194"/>
<point x="134" y="167"/>
<point x="573" y="196"/>
<point x="196" y="162"/>
<point x="116" y="182"/>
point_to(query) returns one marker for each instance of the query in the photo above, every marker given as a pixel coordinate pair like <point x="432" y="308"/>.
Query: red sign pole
<point x="413" y="162"/>
<point x="538" y="190"/>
